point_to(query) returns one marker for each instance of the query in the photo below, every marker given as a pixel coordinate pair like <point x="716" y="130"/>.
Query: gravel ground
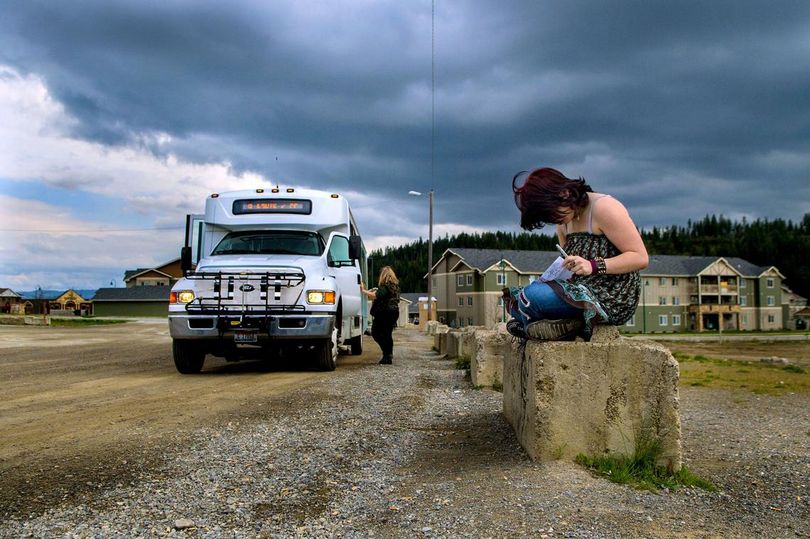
<point x="412" y="450"/>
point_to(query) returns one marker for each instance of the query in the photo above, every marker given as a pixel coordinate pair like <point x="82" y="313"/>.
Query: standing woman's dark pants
<point x="382" y="328"/>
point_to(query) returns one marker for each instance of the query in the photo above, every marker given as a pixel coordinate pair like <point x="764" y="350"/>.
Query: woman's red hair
<point x="545" y="195"/>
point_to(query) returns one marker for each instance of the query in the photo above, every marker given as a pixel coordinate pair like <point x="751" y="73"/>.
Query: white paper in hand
<point x="556" y="272"/>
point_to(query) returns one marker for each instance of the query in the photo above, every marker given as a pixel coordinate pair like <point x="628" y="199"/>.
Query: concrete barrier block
<point x="466" y="344"/>
<point x="37" y="320"/>
<point x="453" y="337"/>
<point x="430" y="327"/>
<point x="604" y="396"/>
<point x="440" y="338"/>
<point x="486" y="362"/>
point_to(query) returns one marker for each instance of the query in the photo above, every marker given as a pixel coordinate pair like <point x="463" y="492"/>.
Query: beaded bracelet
<point x="601" y="267"/>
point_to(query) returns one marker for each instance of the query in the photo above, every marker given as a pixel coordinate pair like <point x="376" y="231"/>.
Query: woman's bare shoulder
<point x="609" y="212"/>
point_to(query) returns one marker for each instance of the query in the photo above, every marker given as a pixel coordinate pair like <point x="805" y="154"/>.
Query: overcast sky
<point x="118" y="118"/>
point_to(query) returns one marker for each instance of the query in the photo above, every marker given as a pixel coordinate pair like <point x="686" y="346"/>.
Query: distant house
<point x="9" y="299"/>
<point x="135" y="301"/>
<point x="679" y="293"/>
<point x="146" y="293"/>
<point x="413" y="306"/>
<point x="58" y="302"/>
<point x="164" y="275"/>
<point x="70" y="302"/>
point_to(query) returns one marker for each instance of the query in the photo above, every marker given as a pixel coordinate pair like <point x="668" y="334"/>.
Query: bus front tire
<point x="188" y="356"/>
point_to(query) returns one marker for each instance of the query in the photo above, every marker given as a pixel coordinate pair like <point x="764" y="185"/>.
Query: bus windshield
<point x="270" y="242"/>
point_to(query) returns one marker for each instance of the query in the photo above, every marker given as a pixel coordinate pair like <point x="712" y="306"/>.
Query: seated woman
<point x="604" y="252"/>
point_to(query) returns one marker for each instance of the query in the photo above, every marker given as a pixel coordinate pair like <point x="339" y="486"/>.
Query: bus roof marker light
<point x="260" y="190"/>
<point x="290" y="190"/>
<point x="215" y="195"/>
<point x="274" y="189"/>
<point x="334" y="195"/>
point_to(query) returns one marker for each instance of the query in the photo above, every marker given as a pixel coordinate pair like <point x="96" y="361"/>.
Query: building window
<point x="469" y="279"/>
<point x="500" y="301"/>
<point x="674" y="281"/>
<point x="469" y="322"/>
<point x="460" y="301"/>
<point x="632" y="321"/>
<point x="745" y="319"/>
<point x="662" y="281"/>
<point x="743" y="301"/>
<point x="433" y="281"/>
<point x="676" y="300"/>
<point x="663" y="320"/>
<point x="769" y="283"/>
<point x="501" y="279"/>
<point x="662" y="300"/>
<point x="771" y="319"/>
<point x="469" y="300"/>
<point x="742" y="283"/>
<point x="460" y="280"/>
<point x="676" y="320"/>
<point x="771" y="301"/>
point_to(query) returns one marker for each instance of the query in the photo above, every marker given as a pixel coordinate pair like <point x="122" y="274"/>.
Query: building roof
<point x="129" y="274"/>
<point x="523" y="261"/>
<point x="135" y="293"/>
<point x="8" y="293"/>
<point x="484" y="260"/>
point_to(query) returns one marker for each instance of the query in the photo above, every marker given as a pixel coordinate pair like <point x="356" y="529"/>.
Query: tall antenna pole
<point x="432" y="152"/>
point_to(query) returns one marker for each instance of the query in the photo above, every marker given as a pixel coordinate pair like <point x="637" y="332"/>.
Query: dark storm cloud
<point x="678" y="108"/>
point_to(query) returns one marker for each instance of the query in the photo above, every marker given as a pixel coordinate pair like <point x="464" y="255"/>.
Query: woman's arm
<point x="372" y="294"/>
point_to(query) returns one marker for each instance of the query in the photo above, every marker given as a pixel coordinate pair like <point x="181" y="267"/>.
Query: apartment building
<point x="679" y="293"/>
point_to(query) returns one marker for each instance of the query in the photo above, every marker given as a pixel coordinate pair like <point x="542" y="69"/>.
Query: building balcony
<point x="714" y="308"/>
<point x="708" y="289"/>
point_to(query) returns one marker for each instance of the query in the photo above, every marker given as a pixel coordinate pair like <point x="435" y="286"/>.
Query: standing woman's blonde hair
<point x="387" y="276"/>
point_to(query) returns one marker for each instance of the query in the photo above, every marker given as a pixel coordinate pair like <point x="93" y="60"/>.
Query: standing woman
<point x="605" y="253"/>
<point x="385" y="311"/>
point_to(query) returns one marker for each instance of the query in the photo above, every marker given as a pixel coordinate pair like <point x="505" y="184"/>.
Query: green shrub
<point x="640" y="470"/>
<point x="463" y="362"/>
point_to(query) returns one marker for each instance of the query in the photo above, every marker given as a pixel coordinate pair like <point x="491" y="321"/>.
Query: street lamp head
<point x="415" y="193"/>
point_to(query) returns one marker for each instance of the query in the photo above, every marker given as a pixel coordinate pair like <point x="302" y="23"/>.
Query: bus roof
<point x="278" y="207"/>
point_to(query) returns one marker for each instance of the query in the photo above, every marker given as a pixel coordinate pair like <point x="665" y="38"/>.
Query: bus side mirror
<point x="355" y="247"/>
<point x="185" y="260"/>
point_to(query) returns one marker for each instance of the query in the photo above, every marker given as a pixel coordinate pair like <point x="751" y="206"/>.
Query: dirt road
<point x="101" y="437"/>
<point x="80" y="407"/>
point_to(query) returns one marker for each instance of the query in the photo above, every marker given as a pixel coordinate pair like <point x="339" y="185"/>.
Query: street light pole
<point x="430" y="250"/>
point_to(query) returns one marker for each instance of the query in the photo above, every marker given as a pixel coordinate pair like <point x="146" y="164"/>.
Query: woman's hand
<point x="578" y="265"/>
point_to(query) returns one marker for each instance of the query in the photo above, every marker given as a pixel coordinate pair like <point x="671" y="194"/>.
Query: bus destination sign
<point x="263" y="205"/>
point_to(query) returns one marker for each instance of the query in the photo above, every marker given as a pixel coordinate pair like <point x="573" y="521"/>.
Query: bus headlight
<point x="183" y="296"/>
<point x="321" y="297"/>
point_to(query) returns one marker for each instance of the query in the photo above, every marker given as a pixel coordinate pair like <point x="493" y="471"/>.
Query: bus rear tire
<point x="189" y="357"/>
<point x="357" y="345"/>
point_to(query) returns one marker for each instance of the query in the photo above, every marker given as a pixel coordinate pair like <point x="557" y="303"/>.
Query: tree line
<point x="763" y="242"/>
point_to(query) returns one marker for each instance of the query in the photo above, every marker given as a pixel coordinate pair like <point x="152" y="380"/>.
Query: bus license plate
<point x="245" y="336"/>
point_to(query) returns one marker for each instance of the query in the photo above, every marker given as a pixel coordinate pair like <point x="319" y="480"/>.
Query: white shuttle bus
<point x="269" y="272"/>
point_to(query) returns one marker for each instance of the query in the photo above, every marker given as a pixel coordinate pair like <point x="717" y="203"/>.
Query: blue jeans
<point x="539" y="302"/>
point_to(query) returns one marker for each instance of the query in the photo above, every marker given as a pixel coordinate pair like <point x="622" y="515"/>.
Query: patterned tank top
<point x="618" y="294"/>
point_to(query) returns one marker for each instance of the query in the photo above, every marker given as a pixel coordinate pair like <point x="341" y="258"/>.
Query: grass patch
<point x="83" y="322"/>
<point x="640" y="471"/>
<point x="463" y="362"/>
<point x="759" y="378"/>
<point x="794" y="368"/>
